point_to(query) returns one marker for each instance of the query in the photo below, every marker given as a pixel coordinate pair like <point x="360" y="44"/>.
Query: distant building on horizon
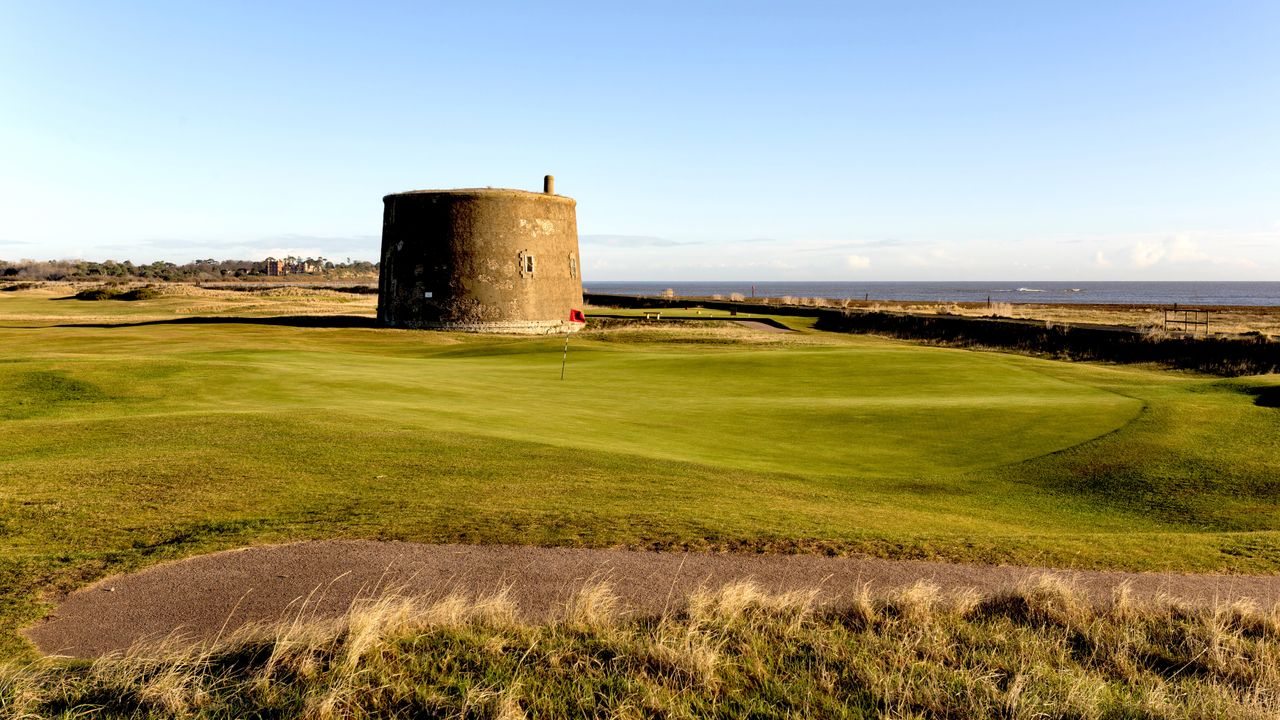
<point x="291" y="266"/>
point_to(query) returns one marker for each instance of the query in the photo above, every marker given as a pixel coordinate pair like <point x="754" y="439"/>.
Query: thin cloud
<point x="187" y="249"/>
<point x="324" y="240"/>
<point x="1184" y="249"/>
<point x="1147" y="253"/>
<point x="628" y="241"/>
<point x="1181" y="249"/>
<point x="326" y="243"/>
<point x="861" y="244"/>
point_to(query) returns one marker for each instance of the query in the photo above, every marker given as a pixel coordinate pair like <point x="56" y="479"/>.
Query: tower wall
<point x="481" y="260"/>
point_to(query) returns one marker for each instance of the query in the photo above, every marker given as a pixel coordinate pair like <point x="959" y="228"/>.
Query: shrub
<point x="108" y="293"/>
<point x="142" y="293"/>
<point x="98" y="293"/>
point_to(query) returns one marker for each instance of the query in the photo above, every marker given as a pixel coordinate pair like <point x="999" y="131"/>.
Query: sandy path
<point x="763" y="327"/>
<point x="196" y="597"/>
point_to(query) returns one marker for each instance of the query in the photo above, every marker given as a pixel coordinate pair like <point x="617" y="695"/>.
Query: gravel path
<point x="199" y="597"/>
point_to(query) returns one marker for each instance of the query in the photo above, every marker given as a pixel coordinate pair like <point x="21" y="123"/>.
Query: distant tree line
<point x="207" y="269"/>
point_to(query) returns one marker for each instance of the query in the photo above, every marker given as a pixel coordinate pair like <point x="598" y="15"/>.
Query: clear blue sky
<point x="771" y="141"/>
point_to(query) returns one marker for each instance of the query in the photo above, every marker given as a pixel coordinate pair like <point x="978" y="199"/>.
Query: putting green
<point x="843" y="413"/>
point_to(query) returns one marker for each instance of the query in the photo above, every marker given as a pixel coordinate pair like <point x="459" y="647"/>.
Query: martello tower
<point x="481" y="260"/>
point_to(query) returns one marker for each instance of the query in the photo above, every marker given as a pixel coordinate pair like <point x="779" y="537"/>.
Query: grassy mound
<point x="110" y="293"/>
<point x="1040" y="651"/>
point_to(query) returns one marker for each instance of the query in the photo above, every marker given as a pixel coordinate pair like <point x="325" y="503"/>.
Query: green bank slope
<point x="131" y="443"/>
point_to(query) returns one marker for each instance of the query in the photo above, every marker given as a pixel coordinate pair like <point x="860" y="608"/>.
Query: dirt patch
<point x="761" y="326"/>
<point x="199" y="598"/>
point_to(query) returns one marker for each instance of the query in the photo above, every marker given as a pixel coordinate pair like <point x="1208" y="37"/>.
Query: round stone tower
<point x="480" y="260"/>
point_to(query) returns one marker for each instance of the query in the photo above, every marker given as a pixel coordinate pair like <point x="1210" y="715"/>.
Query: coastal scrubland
<point x="1223" y="320"/>
<point x="199" y="420"/>
<point x="1231" y="320"/>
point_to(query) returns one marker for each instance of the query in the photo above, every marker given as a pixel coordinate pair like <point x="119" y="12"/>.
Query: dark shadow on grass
<point x="673" y="319"/>
<point x="303" y="321"/>
<point x="1268" y="397"/>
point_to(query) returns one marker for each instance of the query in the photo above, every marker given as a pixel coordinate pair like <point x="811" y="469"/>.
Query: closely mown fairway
<point x="124" y="445"/>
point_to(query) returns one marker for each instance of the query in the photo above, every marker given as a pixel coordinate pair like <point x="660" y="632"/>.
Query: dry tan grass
<point x="1234" y="320"/>
<point x="710" y="332"/>
<point x="182" y="300"/>
<point x="1040" y="650"/>
<point x="1228" y="320"/>
<point x="1002" y="309"/>
<point x="594" y="605"/>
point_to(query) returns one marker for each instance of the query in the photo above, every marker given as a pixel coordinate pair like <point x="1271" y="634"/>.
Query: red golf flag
<point x="577" y="316"/>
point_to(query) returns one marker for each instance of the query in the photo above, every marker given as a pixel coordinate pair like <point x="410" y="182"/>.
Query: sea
<point x="1157" y="293"/>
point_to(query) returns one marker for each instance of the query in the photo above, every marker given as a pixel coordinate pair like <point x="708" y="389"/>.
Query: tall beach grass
<point x="1042" y="650"/>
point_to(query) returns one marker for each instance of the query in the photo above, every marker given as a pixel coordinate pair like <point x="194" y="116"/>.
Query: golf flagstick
<point x="564" y="358"/>
<point x="575" y="316"/>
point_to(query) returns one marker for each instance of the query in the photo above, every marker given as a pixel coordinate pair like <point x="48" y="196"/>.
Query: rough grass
<point x="1039" y="651"/>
